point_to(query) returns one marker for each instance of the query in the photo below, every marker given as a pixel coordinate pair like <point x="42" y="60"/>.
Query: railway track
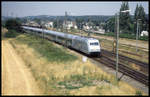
<point x="124" y="58"/>
<point x="132" y="53"/>
<point x="124" y="69"/>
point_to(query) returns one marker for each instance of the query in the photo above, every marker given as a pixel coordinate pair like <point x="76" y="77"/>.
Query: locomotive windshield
<point x="94" y="43"/>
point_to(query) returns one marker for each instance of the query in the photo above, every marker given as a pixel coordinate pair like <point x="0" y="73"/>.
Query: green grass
<point x="77" y="81"/>
<point x="145" y="38"/>
<point x="46" y="49"/>
<point x="11" y="34"/>
<point x="138" y="93"/>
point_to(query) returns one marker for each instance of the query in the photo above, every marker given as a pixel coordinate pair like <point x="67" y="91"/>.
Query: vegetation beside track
<point x="47" y="49"/>
<point x="127" y="36"/>
<point x="69" y="77"/>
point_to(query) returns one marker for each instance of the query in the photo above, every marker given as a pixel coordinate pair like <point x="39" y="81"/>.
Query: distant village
<point x="68" y="25"/>
<point x="72" y="25"/>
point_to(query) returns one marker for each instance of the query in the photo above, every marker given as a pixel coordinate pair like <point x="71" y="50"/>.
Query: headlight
<point x="95" y="49"/>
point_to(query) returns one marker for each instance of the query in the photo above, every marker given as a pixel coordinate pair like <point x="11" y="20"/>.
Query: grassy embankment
<point x="58" y="71"/>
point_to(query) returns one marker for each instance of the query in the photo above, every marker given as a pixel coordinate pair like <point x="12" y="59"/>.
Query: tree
<point x="142" y="24"/>
<point x="79" y="23"/>
<point x="140" y="14"/>
<point x="57" y="23"/>
<point x="110" y="25"/>
<point x="37" y="20"/>
<point x="136" y="17"/>
<point x="13" y="24"/>
<point x="125" y="21"/>
<point x="136" y="13"/>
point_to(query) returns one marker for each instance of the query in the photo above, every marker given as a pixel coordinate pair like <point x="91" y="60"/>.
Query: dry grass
<point x="3" y="32"/>
<point x="134" y="66"/>
<point x="71" y="78"/>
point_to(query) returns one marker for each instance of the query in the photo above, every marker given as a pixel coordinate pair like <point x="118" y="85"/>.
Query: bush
<point x="145" y="38"/>
<point x="13" y="24"/>
<point x="129" y="36"/>
<point x="138" y="93"/>
<point x="11" y="34"/>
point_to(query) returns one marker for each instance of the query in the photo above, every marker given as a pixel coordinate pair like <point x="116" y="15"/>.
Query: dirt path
<point x="16" y="77"/>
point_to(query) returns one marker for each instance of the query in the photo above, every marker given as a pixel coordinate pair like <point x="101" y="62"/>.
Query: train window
<point x="94" y="43"/>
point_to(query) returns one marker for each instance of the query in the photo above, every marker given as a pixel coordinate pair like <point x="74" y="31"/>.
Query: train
<point x="87" y="45"/>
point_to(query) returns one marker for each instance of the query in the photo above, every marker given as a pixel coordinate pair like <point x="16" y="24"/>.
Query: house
<point x="74" y="25"/>
<point x="69" y="25"/>
<point x="100" y="31"/>
<point x="144" y="33"/>
<point x="32" y="23"/>
<point x="86" y="27"/>
<point x="49" y="24"/>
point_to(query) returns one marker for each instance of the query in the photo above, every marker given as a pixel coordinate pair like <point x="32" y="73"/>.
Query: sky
<point x="21" y="9"/>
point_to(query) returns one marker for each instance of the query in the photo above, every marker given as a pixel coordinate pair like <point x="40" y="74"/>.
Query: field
<point x="59" y="71"/>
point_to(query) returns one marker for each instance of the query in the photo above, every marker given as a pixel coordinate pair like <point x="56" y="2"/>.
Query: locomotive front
<point x="94" y="47"/>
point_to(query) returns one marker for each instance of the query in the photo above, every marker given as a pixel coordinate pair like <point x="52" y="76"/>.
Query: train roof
<point x="61" y="34"/>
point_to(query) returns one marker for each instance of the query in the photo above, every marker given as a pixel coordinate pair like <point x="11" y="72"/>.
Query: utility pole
<point x="12" y="14"/>
<point x="57" y="23"/>
<point x="139" y="29"/>
<point x="66" y="21"/>
<point x="117" y="46"/>
<point x="80" y="31"/>
<point x="16" y="15"/>
<point x="42" y="31"/>
<point x="115" y="35"/>
<point x="90" y="26"/>
<point x="117" y="41"/>
<point x="7" y="14"/>
<point x="136" y="35"/>
<point x="65" y="28"/>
